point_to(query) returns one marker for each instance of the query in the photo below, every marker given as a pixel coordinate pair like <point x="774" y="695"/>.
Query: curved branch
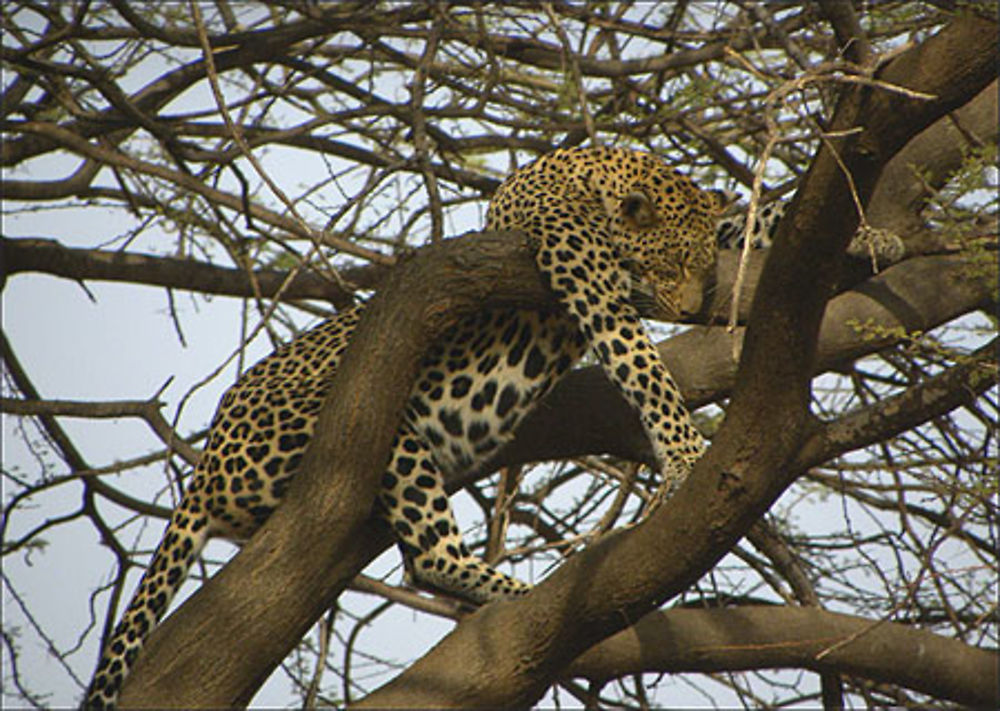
<point x="169" y="664"/>
<point x="748" y="638"/>
<point x="926" y="163"/>
<point x="420" y="299"/>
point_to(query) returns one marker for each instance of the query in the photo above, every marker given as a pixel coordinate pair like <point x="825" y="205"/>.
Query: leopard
<point x="603" y="223"/>
<point x="881" y="246"/>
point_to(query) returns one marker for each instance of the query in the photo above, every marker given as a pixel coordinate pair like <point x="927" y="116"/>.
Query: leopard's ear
<point x="639" y="211"/>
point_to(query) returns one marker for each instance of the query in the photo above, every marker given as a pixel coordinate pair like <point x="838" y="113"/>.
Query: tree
<point x="866" y="400"/>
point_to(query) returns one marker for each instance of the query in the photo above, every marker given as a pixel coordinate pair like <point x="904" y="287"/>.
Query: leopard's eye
<point x="639" y="210"/>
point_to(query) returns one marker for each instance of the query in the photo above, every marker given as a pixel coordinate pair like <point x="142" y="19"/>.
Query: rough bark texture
<point x="937" y="151"/>
<point x="586" y="415"/>
<point x="894" y="205"/>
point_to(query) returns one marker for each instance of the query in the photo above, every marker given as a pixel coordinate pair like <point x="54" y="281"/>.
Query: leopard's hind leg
<point x="416" y="506"/>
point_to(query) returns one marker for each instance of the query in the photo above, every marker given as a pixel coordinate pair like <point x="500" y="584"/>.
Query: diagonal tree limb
<point x="584" y="414"/>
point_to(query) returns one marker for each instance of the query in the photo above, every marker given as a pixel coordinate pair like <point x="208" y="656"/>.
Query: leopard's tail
<point x="182" y="543"/>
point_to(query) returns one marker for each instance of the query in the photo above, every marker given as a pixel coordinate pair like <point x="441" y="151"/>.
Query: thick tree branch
<point x="851" y="36"/>
<point x="926" y="163"/>
<point x="116" y="85"/>
<point x="937" y="151"/>
<point x="749" y="638"/>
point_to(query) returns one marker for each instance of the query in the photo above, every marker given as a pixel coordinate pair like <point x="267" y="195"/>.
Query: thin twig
<point x="569" y="58"/>
<point x="419" y="122"/>
<point x="324" y="629"/>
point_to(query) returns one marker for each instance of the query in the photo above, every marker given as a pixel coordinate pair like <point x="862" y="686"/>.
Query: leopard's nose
<point x="694" y="295"/>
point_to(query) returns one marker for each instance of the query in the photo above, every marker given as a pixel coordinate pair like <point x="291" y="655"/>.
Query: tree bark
<point x="746" y="638"/>
<point x="584" y="414"/>
<point x="895" y="205"/>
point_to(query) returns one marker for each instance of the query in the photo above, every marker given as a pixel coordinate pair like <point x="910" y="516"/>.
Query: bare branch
<point x="759" y="637"/>
<point x="51" y="257"/>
